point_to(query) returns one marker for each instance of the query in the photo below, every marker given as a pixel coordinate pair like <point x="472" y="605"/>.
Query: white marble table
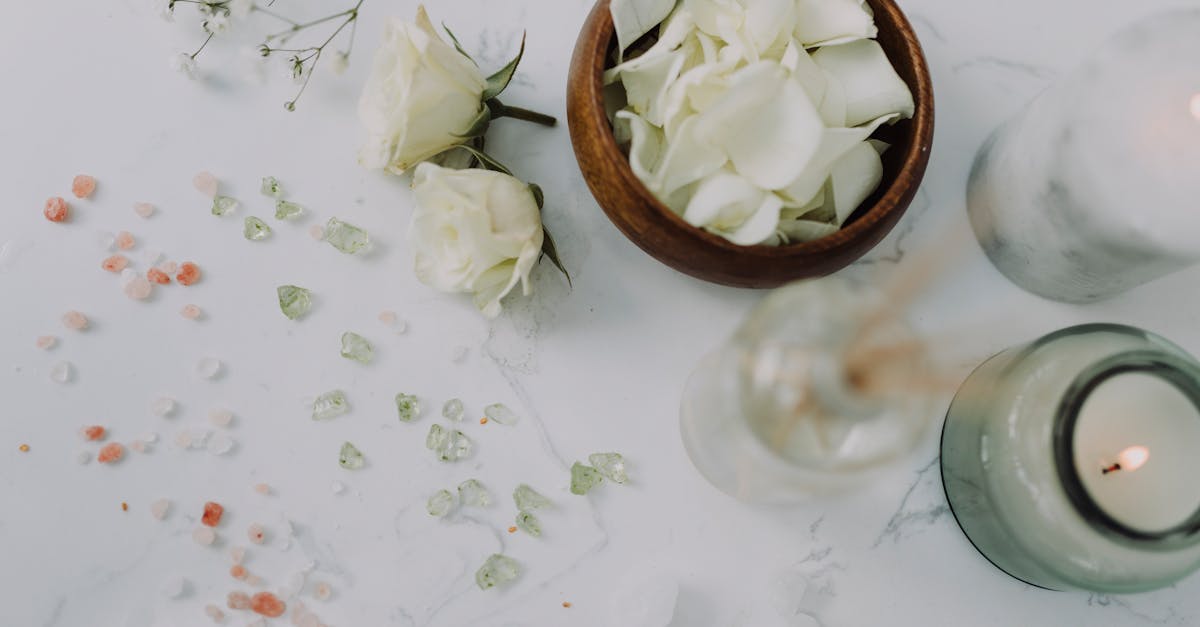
<point x="599" y="367"/>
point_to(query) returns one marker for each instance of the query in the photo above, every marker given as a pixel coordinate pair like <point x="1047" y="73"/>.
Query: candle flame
<point x="1195" y="107"/>
<point x="1133" y="458"/>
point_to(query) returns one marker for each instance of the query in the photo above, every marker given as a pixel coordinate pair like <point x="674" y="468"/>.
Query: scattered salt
<point x="160" y="508"/>
<point x="237" y="554"/>
<point x="137" y="446"/>
<point x="220" y="443"/>
<point x="75" y="321"/>
<point x="322" y="591"/>
<point x="125" y="240"/>
<point x="163" y="406"/>
<point x="238" y="601"/>
<point x="220" y="417"/>
<point x="83" y="457"/>
<point x="47" y="342"/>
<point x="83" y="186"/>
<point x="256" y="533"/>
<point x="61" y="372"/>
<point x="191" y="312"/>
<point x="143" y="209"/>
<point x="139" y="288"/>
<point x="56" y="209"/>
<point x="388" y="318"/>
<point x="115" y="263"/>
<point x="214" y="613"/>
<point x="316" y="232"/>
<point x="338" y="487"/>
<point x="204" y="536"/>
<point x="183" y="439"/>
<point x="262" y="488"/>
<point x="170" y="267"/>
<point x="173" y="587"/>
<point x="208" y="367"/>
<point x="205" y="183"/>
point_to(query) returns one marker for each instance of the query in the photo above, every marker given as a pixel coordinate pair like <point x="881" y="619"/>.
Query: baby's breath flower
<point x="240" y="9"/>
<point x="184" y="64"/>
<point x="339" y="62"/>
<point x="218" y="23"/>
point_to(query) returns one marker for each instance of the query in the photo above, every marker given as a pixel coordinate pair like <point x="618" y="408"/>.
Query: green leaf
<point x="479" y="125"/>
<point x="550" y="251"/>
<point x="484" y="159"/>
<point x="457" y="46"/>
<point x="498" y="82"/>
<point x="538" y="196"/>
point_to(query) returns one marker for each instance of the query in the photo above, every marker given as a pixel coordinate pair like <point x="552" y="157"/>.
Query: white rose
<point x="474" y="231"/>
<point x="421" y="96"/>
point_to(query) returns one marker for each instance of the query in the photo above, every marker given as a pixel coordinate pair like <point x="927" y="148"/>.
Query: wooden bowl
<point x="665" y="236"/>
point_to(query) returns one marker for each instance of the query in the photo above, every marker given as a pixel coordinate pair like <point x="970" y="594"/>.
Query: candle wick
<point x="1113" y="468"/>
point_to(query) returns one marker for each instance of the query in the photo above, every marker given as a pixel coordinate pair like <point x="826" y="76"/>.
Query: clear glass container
<point x="821" y="387"/>
<point x="1032" y="454"/>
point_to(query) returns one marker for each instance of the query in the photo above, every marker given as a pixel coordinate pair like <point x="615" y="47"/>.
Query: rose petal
<point x="835" y="143"/>
<point x="765" y="124"/>
<point x="732" y="207"/>
<point x="634" y="18"/>
<point x="854" y="177"/>
<point x="645" y="147"/>
<point x="759" y="226"/>
<point x="828" y="22"/>
<point x="687" y="159"/>
<point x="805" y="230"/>
<point x="871" y="85"/>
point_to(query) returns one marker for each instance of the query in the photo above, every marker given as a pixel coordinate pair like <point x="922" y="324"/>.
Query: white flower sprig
<point x="218" y="15"/>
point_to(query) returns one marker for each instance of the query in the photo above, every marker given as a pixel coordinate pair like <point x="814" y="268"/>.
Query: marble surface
<point x="597" y="367"/>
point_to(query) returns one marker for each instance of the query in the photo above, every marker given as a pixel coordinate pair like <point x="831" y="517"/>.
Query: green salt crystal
<point x="408" y="406"/>
<point x="497" y="570"/>
<point x="350" y="457"/>
<point x="223" y="205"/>
<point x="528" y="499"/>
<point x="345" y="236"/>
<point x="271" y="187"/>
<point x="356" y="347"/>
<point x="529" y="524"/>
<point x="471" y="492"/>
<point x="610" y="465"/>
<point x="294" y="301"/>
<point x="330" y="405"/>
<point x="453" y="409"/>
<point x="256" y="230"/>
<point x="436" y="439"/>
<point x="584" y="478"/>
<point x="500" y="413"/>
<point x="285" y="210"/>
<point x="440" y="503"/>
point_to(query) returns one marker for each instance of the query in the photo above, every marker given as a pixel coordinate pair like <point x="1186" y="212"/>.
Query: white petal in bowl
<point x="765" y="124"/>
<point x="835" y="143"/>
<point x="688" y="159"/>
<point x="718" y="18"/>
<point x="855" y="176"/>
<point x="828" y="22"/>
<point x="732" y="207"/>
<point x="646" y="145"/>
<point x="646" y="85"/>
<point x="694" y="91"/>
<point x="871" y="85"/>
<point x="674" y="33"/>
<point x="769" y="21"/>
<point x="634" y="18"/>
<point x="833" y="102"/>
<point x="812" y="78"/>
<point x="805" y="230"/>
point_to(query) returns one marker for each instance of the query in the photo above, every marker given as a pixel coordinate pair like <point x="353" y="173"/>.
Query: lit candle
<point x="1092" y="189"/>
<point x="1073" y="462"/>
<point x="1137" y="452"/>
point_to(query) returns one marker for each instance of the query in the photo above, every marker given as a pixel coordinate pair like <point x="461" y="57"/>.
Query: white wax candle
<point x="1137" y="451"/>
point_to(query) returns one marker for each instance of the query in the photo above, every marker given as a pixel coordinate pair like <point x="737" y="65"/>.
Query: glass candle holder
<point x="819" y="389"/>
<point x="1093" y="190"/>
<point x="1071" y="462"/>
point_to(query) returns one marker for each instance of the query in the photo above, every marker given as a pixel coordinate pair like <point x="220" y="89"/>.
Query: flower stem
<point x="501" y="110"/>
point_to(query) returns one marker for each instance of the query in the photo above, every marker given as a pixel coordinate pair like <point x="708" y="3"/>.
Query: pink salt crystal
<point x="139" y="288"/>
<point x="388" y="317"/>
<point x="189" y="273"/>
<point x="262" y="488"/>
<point x="115" y="263"/>
<point x="111" y="453"/>
<point x="221" y="418"/>
<point x="214" y="613"/>
<point x="75" y="321"/>
<point x="46" y="342"/>
<point x="323" y="591"/>
<point x="238" y="601"/>
<point x="83" y="186"/>
<point x="191" y="312"/>
<point x="159" y="508"/>
<point x="204" y="536"/>
<point x="138" y="446"/>
<point x="316" y="232"/>
<point x="94" y="433"/>
<point x="125" y="240"/>
<point x="237" y="571"/>
<point x="237" y="554"/>
<point x="168" y="266"/>
<point x="205" y="183"/>
<point x="154" y="275"/>
<point x="143" y="209"/>
<point x="56" y="209"/>
<point x="256" y="533"/>
<point x="267" y="604"/>
<point x="183" y="439"/>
